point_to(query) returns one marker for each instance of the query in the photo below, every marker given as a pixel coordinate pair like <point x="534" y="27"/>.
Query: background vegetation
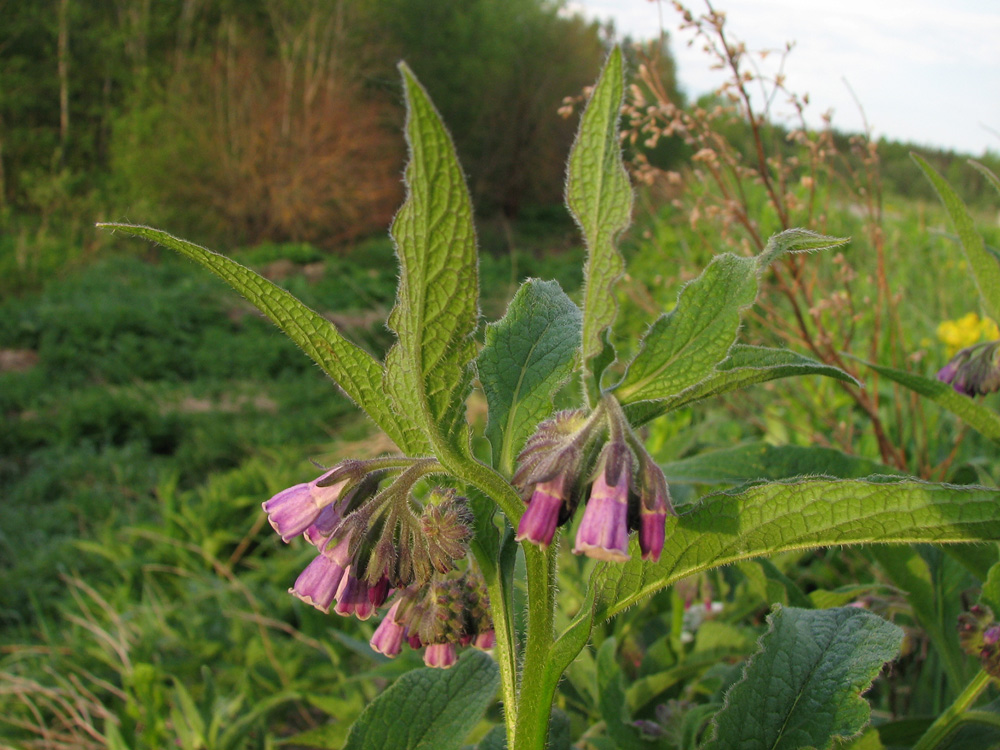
<point x="146" y="412"/>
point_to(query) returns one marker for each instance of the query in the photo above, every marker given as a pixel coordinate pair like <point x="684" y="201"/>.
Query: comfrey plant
<point x="430" y="536"/>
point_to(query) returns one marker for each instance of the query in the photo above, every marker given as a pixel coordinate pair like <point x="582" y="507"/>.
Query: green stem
<point x="506" y="646"/>
<point x="494" y="486"/>
<point x="535" y="697"/>
<point x="955" y="714"/>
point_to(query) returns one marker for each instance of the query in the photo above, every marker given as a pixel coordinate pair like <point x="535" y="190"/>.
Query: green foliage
<point x="181" y="559"/>
<point x="599" y="197"/>
<point x="753" y="461"/>
<point x="802" y="689"/>
<point x="527" y="356"/>
<point x="985" y="265"/>
<point x="440" y="708"/>
<point x="428" y="372"/>
<point x="769" y="518"/>
<point x="984" y="421"/>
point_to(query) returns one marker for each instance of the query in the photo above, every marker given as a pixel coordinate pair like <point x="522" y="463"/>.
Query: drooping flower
<point x="629" y="491"/>
<point x="388" y="636"/>
<point x="318" y="583"/>
<point x="550" y="473"/>
<point x="538" y="524"/>
<point x="975" y="370"/>
<point x="294" y="510"/>
<point x="485" y="641"/>
<point x="654" y="505"/>
<point x="440" y="655"/>
<point x="352" y="597"/>
<point x="603" y="531"/>
<point x="439" y="617"/>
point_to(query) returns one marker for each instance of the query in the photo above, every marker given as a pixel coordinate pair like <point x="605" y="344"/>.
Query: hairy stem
<point x="536" y="693"/>
<point x="955" y="714"/>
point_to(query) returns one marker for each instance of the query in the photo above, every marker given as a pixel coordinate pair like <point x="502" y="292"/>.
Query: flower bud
<point x="979" y="635"/>
<point x="447" y="527"/>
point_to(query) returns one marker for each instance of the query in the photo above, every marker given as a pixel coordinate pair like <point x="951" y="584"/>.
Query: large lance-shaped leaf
<point x="428" y="373"/>
<point x="353" y="369"/>
<point x="600" y="199"/>
<point x="683" y="348"/>
<point x="527" y="356"/>
<point x="803" y="688"/>
<point x="978" y="417"/>
<point x="745" y="366"/>
<point x="754" y="461"/>
<point x="766" y="519"/>
<point x="431" y="709"/>
<point x="985" y="267"/>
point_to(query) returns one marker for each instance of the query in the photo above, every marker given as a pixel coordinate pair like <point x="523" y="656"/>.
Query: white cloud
<point x="923" y="71"/>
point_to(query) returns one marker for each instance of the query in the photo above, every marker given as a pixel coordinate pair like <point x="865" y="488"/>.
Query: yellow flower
<point x="966" y="331"/>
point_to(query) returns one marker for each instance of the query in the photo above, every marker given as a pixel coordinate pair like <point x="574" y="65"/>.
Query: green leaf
<point x="357" y="373"/>
<point x="688" y="347"/>
<point x="977" y="416"/>
<point x="985" y="267"/>
<point x="432" y="709"/>
<point x="989" y="596"/>
<point x="803" y="688"/>
<point x="987" y="173"/>
<point x="683" y="347"/>
<point x="611" y="698"/>
<point x="600" y="198"/>
<point x="495" y="739"/>
<point x="796" y="241"/>
<point x="428" y="373"/>
<point x="909" y="572"/>
<point x="762" y="461"/>
<point x="745" y="366"/>
<point x="528" y="355"/>
<point x="770" y="518"/>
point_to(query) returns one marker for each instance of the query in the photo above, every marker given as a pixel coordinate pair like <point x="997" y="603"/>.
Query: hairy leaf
<point x="527" y="356"/>
<point x="428" y="372"/>
<point x="977" y="416"/>
<point x="745" y="366"/>
<point x="987" y="173"/>
<point x="357" y="373"/>
<point x="926" y="590"/>
<point x="803" y="688"/>
<point x="985" y="267"/>
<point x="611" y="698"/>
<point x="683" y="347"/>
<point x="754" y="461"/>
<point x="771" y="518"/>
<point x="797" y="241"/>
<point x="600" y="199"/>
<point x="687" y="347"/>
<point x="431" y="709"/>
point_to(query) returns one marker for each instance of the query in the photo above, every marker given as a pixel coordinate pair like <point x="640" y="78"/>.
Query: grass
<point x="148" y="411"/>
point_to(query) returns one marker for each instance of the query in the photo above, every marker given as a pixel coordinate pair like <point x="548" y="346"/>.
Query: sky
<point x="924" y="71"/>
